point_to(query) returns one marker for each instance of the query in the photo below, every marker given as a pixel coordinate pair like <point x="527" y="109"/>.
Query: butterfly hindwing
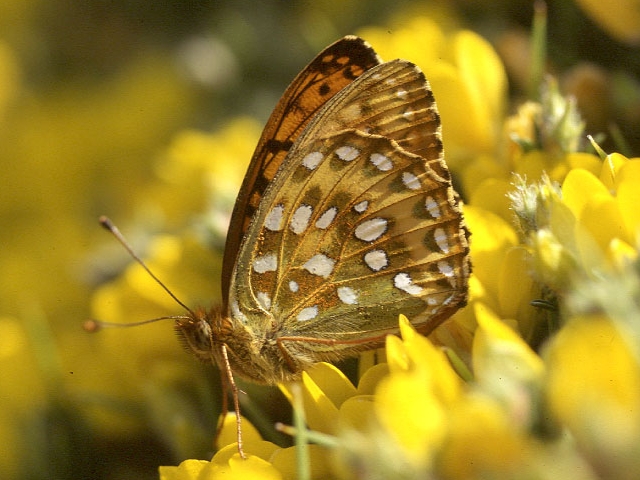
<point x="358" y="226"/>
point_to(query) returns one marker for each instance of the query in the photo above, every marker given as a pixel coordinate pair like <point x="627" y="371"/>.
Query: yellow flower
<point x="593" y="385"/>
<point x="506" y="368"/>
<point x="546" y="136"/>
<point x="224" y="466"/>
<point x="589" y="225"/>
<point x="499" y="280"/>
<point x="411" y="402"/>
<point x="620" y="18"/>
<point x="187" y="470"/>
<point x="325" y="388"/>
<point x="203" y="172"/>
<point x="261" y="462"/>
<point x="482" y="441"/>
<point x="499" y="410"/>
<point x="428" y="423"/>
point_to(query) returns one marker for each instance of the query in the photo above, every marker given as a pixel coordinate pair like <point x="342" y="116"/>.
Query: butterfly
<point x="346" y="218"/>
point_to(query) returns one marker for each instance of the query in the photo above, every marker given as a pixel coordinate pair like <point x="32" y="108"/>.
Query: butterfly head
<point x="195" y="333"/>
<point x="206" y="333"/>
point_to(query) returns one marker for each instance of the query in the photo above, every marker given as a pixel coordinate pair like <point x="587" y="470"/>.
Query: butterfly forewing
<point x="391" y="100"/>
<point x="360" y="224"/>
<point x="334" y="68"/>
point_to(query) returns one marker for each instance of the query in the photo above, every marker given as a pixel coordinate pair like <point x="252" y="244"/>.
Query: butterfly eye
<point x="196" y="336"/>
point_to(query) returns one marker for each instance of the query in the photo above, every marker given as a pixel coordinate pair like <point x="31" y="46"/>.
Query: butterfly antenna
<point x="92" y="326"/>
<point x="108" y="224"/>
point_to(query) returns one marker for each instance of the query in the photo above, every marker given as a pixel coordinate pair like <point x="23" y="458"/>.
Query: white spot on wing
<point x="381" y="162"/>
<point x="265" y="263"/>
<point x="326" y="218"/>
<point x="347" y="295"/>
<point x="320" y="265"/>
<point x="300" y="219"/>
<point x="293" y="286"/>
<point x="441" y="239"/>
<point x="273" y="221"/>
<point x="237" y="313"/>
<point x="410" y="181"/>
<point x="264" y="300"/>
<point x="408" y="114"/>
<point x="447" y="270"/>
<point x="312" y="160"/>
<point x="376" y="260"/>
<point x="401" y="93"/>
<point x="371" y="230"/>
<point x="347" y="153"/>
<point x="403" y="282"/>
<point x="307" y="313"/>
<point x="449" y="299"/>
<point x="432" y="207"/>
<point x="362" y="206"/>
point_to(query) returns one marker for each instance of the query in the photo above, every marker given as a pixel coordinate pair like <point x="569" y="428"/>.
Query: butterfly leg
<point x="226" y="383"/>
<point x="224" y="409"/>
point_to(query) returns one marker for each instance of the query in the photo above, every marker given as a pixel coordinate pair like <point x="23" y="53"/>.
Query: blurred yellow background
<point x="97" y="101"/>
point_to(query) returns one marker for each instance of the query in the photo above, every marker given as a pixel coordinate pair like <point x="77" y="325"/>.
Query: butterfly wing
<point x="359" y="225"/>
<point x="334" y="68"/>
